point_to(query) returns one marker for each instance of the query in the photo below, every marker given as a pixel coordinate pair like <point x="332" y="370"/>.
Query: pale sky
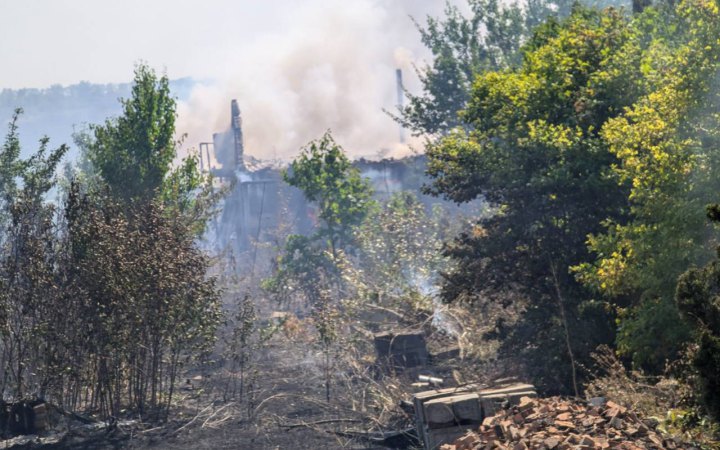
<point x="47" y="42"/>
<point x="65" y="41"/>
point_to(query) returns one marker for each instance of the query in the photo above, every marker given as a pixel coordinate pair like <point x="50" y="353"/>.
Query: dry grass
<point x="664" y="399"/>
<point x="653" y="396"/>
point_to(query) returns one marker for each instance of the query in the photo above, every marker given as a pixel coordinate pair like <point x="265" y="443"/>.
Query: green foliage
<point x="665" y="144"/>
<point x="607" y="128"/>
<point x="11" y="167"/>
<point x="490" y="39"/>
<point x="133" y="252"/>
<point x="460" y="50"/>
<point x="26" y="181"/>
<point x="132" y="155"/>
<point x="144" y="293"/>
<point x="133" y="152"/>
<point x="343" y="199"/>
<point x="651" y="333"/>
<point x="326" y="177"/>
<point x="698" y="297"/>
<point x="28" y="255"/>
<point x="303" y="263"/>
<point x="190" y="194"/>
<point x="399" y="255"/>
<point x="109" y="296"/>
<point x="309" y="265"/>
<point x="533" y="149"/>
<point x="181" y="183"/>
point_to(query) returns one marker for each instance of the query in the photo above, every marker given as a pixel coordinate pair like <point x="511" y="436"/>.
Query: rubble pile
<point x="560" y="424"/>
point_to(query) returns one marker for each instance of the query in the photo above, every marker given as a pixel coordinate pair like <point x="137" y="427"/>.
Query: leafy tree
<point x="28" y="293"/>
<point x="666" y="148"/>
<point x="310" y="264"/>
<point x="462" y="47"/>
<point x="328" y="180"/>
<point x="135" y="253"/>
<point x="190" y="194"/>
<point x="698" y="297"/>
<point x="11" y="167"/>
<point x="103" y="302"/>
<point x="133" y="153"/>
<point x="147" y="300"/>
<point x="399" y="254"/>
<point x="532" y="148"/>
<point x="325" y="175"/>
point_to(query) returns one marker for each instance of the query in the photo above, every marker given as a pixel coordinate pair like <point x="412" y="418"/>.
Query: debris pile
<point x="443" y="415"/>
<point x="560" y="424"/>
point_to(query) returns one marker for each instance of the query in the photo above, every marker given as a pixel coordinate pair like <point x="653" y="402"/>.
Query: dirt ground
<point x="288" y="411"/>
<point x="283" y="405"/>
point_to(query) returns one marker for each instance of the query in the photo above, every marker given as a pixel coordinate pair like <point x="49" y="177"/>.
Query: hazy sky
<point x="66" y="41"/>
<point x="48" y="42"/>
<point x="297" y="67"/>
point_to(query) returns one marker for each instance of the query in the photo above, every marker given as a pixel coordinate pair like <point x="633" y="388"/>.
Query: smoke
<point x="331" y="66"/>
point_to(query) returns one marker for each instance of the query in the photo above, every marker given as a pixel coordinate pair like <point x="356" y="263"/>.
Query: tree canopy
<point x="532" y="148"/>
<point x="139" y="145"/>
<point x="326" y="177"/>
<point x="104" y="293"/>
<point x="489" y="38"/>
<point x="598" y="152"/>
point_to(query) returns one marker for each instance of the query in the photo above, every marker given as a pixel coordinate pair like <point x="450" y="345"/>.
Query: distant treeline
<point x="58" y="110"/>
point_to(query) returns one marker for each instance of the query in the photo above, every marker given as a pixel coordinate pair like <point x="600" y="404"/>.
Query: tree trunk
<point x="563" y="318"/>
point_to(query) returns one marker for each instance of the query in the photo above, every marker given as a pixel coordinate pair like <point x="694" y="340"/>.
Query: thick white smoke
<point x="332" y="67"/>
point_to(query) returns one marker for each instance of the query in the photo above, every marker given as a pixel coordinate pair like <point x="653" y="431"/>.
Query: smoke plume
<point x="331" y="67"/>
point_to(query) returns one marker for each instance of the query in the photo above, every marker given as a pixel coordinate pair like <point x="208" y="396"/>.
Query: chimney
<point x="236" y="125"/>
<point x="400" y="93"/>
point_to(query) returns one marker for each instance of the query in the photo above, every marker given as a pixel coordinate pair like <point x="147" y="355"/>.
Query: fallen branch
<point x="318" y="422"/>
<point x="314" y="401"/>
<point x="192" y="420"/>
<point x="215" y="413"/>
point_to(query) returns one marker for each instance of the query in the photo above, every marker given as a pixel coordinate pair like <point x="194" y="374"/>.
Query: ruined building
<point x="260" y="209"/>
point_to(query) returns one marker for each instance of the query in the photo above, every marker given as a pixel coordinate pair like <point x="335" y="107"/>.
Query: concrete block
<point x="467" y="408"/>
<point x="439" y="413"/>
<point x="461" y="409"/>
<point x="41" y="417"/>
<point x="491" y="403"/>
<point x="402" y="349"/>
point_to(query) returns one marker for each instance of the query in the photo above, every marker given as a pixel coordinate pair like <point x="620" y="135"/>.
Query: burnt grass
<point x="288" y="410"/>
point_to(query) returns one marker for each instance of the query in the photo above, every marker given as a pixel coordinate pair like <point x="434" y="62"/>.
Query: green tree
<point x="28" y="287"/>
<point x="309" y="265"/>
<point x="11" y="167"/>
<point x="325" y="175"/>
<point x="399" y="255"/>
<point x="666" y="149"/>
<point x="100" y="305"/>
<point x="134" y="152"/>
<point x="150" y="295"/>
<point x="489" y="39"/>
<point x="105" y="152"/>
<point x="698" y="297"/>
<point x="328" y="180"/>
<point x="147" y="301"/>
<point x="533" y="149"/>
